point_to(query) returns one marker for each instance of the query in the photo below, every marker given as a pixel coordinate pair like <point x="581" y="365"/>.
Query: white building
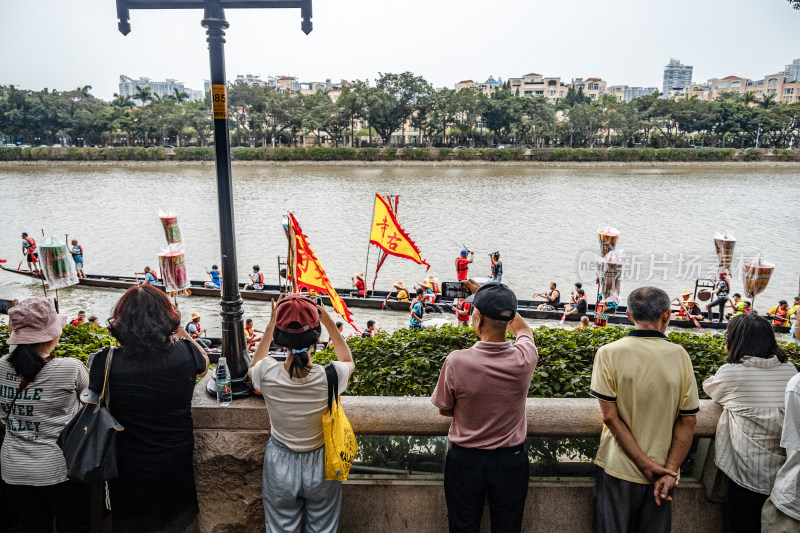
<point x="163" y="89"/>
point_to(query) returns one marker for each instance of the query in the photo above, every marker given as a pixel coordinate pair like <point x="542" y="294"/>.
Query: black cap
<point x="497" y="301"/>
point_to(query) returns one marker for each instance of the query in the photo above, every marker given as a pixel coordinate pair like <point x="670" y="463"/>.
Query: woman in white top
<point x="750" y="388"/>
<point x="39" y="397"/>
<point x="296" y="394"/>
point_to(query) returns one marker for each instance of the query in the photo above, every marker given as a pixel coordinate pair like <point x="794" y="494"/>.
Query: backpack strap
<point x="333" y="384"/>
<point x="105" y="393"/>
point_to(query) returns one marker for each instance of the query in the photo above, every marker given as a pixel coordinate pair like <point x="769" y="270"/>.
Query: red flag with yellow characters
<point x="388" y="235"/>
<point x="311" y="275"/>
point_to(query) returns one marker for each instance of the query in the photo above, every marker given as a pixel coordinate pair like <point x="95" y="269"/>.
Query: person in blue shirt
<point x="417" y="310"/>
<point x="214" y="273"/>
<point x="77" y="256"/>
<point x="149" y="277"/>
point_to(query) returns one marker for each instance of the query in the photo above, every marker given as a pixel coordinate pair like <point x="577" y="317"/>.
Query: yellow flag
<point x="311" y="275"/>
<point x="388" y="235"/>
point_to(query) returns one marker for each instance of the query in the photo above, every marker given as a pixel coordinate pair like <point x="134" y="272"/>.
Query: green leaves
<point x="78" y="342"/>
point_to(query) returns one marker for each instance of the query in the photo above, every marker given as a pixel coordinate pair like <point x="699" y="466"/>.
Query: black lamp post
<point x="234" y="348"/>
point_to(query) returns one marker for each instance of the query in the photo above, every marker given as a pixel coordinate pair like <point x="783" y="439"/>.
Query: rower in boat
<point x="578" y="305"/>
<point x="402" y="291"/>
<point x="430" y="296"/>
<point x="462" y="311"/>
<point x="434" y="286"/>
<point x="463" y="260"/>
<point x="30" y="253"/>
<point x="250" y="334"/>
<point x="256" y="280"/>
<point x="359" y="285"/>
<point x="552" y="298"/>
<point x="214" y="274"/>
<point x="779" y="315"/>
<point x="497" y="267"/>
<point x="149" y="277"/>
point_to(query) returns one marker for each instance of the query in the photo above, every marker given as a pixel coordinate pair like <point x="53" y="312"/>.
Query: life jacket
<point x="434" y="287"/>
<point x="739" y="307"/>
<point x="32" y="244"/>
<point x="778" y="313"/>
<point x="459" y="262"/>
<point x="361" y="288"/>
<point x="463" y="306"/>
<point x="259" y="278"/>
<point x="79" y="248"/>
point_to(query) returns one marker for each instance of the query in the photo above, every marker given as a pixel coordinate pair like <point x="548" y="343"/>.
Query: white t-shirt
<point x="30" y="455"/>
<point x="786" y="492"/>
<point x="295" y="405"/>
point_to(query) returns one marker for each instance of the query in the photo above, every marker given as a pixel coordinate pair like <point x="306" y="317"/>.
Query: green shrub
<point x="155" y="153"/>
<point x="467" y="154"/>
<point x="74" y="153"/>
<point x="41" y="153"/>
<point x="590" y="154"/>
<point x="244" y="153"/>
<point x="369" y="154"/>
<point x="390" y="153"/>
<point x="444" y="153"/>
<point x="194" y="153"/>
<point x="78" y="342"/>
<point x="786" y="155"/>
<point x="562" y="154"/>
<point x="93" y="154"/>
<point x="647" y="154"/>
<point x="751" y="154"/>
<point x="623" y="154"/>
<point x="407" y="363"/>
<point x="8" y="153"/>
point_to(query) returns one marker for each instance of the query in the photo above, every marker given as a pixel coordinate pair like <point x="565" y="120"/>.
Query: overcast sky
<point x="64" y="44"/>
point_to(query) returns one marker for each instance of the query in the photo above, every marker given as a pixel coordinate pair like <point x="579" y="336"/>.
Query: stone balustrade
<point x="229" y="450"/>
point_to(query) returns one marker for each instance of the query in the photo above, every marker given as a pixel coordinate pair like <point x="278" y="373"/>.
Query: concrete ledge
<point x="404" y="415"/>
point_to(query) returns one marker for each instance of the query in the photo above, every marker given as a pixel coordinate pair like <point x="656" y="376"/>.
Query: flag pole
<point x="372" y="221"/>
<point x="393" y="198"/>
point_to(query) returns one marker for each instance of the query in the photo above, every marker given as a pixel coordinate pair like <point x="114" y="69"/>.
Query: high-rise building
<point x="676" y="76"/>
<point x="163" y="89"/>
<point x="793" y="71"/>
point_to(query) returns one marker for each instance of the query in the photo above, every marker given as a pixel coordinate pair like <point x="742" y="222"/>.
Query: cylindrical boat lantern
<point x="173" y="269"/>
<point x="608" y="237"/>
<point x="756" y="276"/>
<point x="169" y="220"/>
<point x="724" y="244"/>
<point x="611" y="276"/>
<point x="57" y="265"/>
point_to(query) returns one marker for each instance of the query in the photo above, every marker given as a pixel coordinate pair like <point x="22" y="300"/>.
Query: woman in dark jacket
<point x="151" y="383"/>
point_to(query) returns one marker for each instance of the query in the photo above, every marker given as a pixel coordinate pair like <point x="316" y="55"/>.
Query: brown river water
<point x="544" y="222"/>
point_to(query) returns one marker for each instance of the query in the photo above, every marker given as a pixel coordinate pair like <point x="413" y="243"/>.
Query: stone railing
<point x="229" y="451"/>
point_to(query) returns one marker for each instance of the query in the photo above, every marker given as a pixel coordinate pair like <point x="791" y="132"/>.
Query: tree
<point x="393" y="100"/>
<point x="795" y="3"/>
<point x="143" y="95"/>
<point x="501" y="111"/>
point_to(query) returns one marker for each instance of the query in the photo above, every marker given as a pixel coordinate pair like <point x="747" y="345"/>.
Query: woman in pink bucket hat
<point x="39" y="397"/>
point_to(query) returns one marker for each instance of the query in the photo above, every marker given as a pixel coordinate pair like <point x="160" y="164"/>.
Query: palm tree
<point x="180" y="96"/>
<point x="143" y="94"/>
<point x="122" y="101"/>
<point x="768" y="101"/>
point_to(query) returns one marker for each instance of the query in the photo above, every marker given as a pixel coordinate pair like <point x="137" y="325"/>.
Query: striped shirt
<point x="786" y="492"/>
<point x="748" y="437"/>
<point x="30" y="455"/>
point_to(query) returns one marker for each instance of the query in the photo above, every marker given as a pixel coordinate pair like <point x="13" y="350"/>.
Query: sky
<point x="63" y="45"/>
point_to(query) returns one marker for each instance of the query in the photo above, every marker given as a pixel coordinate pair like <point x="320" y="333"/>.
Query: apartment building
<point x="778" y="85"/>
<point x="594" y="88"/>
<point x="488" y="87"/>
<point x="626" y="93"/>
<point x="793" y="71"/>
<point x="532" y="84"/>
<point x="163" y="89"/>
<point x="676" y="76"/>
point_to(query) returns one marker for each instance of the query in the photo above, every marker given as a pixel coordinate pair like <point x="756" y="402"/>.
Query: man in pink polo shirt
<point x="484" y="389"/>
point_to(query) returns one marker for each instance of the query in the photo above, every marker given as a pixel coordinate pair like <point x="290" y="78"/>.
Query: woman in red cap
<point x="296" y="394"/>
<point x="40" y="396"/>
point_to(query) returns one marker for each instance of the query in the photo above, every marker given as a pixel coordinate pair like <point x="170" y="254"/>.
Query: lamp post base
<point x="241" y="387"/>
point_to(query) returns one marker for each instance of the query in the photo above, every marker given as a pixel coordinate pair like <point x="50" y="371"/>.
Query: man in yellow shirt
<point x="648" y="397"/>
<point x="796" y="307"/>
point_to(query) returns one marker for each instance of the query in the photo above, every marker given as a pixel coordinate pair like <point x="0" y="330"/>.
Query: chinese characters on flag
<point x="388" y="235"/>
<point x="311" y="275"/>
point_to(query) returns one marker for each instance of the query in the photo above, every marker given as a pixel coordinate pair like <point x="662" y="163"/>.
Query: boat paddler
<point x="213" y="272"/>
<point x="256" y="280"/>
<point x="779" y="315"/>
<point x="30" y="253"/>
<point x="552" y="297"/>
<point x="434" y="284"/>
<point x="722" y="291"/>
<point x="463" y="260"/>
<point x="402" y="291"/>
<point x="359" y="285"/>
<point x="497" y="267"/>
<point x="149" y="277"/>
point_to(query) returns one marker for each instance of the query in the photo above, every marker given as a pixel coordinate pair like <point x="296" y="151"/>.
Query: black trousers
<point x="37" y="507"/>
<point x="721" y="301"/>
<point x="743" y="509"/>
<point x="472" y="475"/>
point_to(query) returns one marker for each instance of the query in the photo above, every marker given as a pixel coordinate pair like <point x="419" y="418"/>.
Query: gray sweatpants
<point x="623" y="506"/>
<point x="295" y="482"/>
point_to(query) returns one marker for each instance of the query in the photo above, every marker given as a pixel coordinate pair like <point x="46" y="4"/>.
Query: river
<point x="540" y="219"/>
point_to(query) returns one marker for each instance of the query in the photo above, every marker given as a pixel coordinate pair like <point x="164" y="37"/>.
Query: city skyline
<point x="444" y="42"/>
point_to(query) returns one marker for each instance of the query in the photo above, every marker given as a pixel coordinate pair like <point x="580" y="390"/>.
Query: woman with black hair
<point x="296" y="395"/>
<point x="750" y="387"/>
<point x="151" y="382"/>
<point x="40" y="397"/>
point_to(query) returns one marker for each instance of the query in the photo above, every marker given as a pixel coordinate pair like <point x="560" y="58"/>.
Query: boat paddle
<point x="696" y="323"/>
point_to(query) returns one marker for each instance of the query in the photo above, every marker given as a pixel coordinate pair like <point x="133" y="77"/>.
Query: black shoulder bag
<point x="88" y="441"/>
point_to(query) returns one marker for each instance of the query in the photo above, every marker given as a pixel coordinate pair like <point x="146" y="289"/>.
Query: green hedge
<point x="205" y="153"/>
<point x="78" y="342"/>
<point x="407" y="363"/>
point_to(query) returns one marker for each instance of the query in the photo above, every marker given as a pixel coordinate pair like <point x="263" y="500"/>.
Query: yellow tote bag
<point x="340" y="441"/>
